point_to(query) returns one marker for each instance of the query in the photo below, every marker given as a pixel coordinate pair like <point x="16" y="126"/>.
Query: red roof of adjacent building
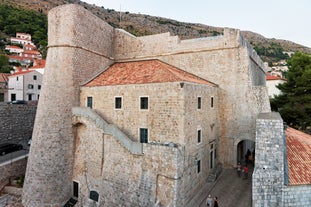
<point x="40" y="63"/>
<point x="4" y="77"/>
<point x="145" y="71"/>
<point x="21" y="72"/>
<point x="298" y="145"/>
<point x="13" y="46"/>
<point x="272" y="77"/>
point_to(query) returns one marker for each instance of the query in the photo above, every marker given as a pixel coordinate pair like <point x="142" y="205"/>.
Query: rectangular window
<point x="35" y="77"/>
<point x="143" y="102"/>
<point x="89" y="102"/>
<point x="16" y="78"/>
<point x="212" y="102"/>
<point x="29" y="97"/>
<point x="30" y="86"/>
<point x="143" y="135"/>
<point x="199" y="135"/>
<point x="118" y="103"/>
<point x="199" y="166"/>
<point x="39" y="87"/>
<point x="13" y="97"/>
<point x="199" y="102"/>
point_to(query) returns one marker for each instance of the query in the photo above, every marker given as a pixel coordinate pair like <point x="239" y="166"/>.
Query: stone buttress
<point x="77" y="51"/>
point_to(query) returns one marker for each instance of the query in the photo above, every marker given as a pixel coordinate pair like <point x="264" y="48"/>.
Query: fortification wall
<point x="79" y="47"/>
<point x="12" y="170"/>
<point x="226" y="60"/>
<point x="122" y="178"/>
<point x="16" y="122"/>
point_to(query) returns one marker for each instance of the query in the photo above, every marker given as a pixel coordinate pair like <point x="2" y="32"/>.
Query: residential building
<point x="3" y="86"/>
<point x="272" y="82"/>
<point x="24" y="85"/>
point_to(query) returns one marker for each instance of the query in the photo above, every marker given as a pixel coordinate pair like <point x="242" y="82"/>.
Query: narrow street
<point x="232" y="190"/>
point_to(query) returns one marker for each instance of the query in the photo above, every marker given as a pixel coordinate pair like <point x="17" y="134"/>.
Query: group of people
<point x="212" y="202"/>
<point x="243" y="170"/>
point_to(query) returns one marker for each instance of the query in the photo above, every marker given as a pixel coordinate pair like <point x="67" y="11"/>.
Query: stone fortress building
<point x="139" y="121"/>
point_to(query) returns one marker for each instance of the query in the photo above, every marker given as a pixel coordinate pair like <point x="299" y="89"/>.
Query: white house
<point x="25" y="85"/>
<point x="272" y="82"/>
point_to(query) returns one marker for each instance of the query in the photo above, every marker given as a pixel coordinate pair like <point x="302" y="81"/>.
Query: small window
<point x="94" y="195"/>
<point x="199" y="166"/>
<point x="89" y="102"/>
<point x="199" y="135"/>
<point x="29" y="97"/>
<point x="118" y="103"/>
<point x="35" y="77"/>
<point x="143" y="102"/>
<point x="16" y="78"/>
<point x="212" y="102"/>
<point x="30" y="86"/>
<point x="199" y="102"/>
<point x="39" y="87"/>
<point x="143" y="135"/>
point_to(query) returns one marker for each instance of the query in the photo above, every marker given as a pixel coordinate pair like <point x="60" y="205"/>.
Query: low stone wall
<point x="12" y="170"/>
<point x="16" y="122"/>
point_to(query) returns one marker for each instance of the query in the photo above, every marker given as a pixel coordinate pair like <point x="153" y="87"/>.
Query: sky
<point x="280" y="19"/>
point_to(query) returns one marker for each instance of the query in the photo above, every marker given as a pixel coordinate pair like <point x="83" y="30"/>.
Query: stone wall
<point x="16" y="122"/>
<point x="172" y="116"/>
<point x="226" y="60"/>
<point x="79" y="47"/>
<point x="12" y="170"/>
<point x="269" y="189"/>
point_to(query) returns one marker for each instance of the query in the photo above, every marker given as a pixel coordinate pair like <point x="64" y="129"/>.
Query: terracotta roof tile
<point x="272" y="77"/>
<point x="141" y="72"/>
<point x="298" y="145"/>
<point x="4" y="77"/>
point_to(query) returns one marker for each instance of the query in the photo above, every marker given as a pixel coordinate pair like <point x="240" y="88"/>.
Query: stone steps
<point x="71" y="202"/>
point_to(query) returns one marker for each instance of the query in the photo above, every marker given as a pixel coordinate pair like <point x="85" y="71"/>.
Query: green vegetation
<point x="274" y="52"/>
<point x="14" y="20"/>
<point x="294" y="104"/>
<point x="4" y="64"/>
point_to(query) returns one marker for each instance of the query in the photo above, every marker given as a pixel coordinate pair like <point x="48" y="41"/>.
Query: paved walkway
<point x="231" y="190"/>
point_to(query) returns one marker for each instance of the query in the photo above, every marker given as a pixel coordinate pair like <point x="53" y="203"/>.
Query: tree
<point x="294" y="104"/>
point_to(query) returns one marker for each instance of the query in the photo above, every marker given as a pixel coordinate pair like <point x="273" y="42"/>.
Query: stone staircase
<point x="71" y="202"/>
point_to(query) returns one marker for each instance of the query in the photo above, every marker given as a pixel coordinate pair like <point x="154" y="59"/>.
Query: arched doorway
<point x="245" y="151"/>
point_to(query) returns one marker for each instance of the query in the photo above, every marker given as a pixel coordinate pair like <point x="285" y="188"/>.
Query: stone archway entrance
<point x="245" y="151"/>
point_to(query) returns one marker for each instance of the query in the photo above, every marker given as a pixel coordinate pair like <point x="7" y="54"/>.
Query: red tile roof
<point x="21" y="72"/>
<point x="272" y="77"/>
<point x="141" y="72"/>
<point x="40" y="63"/>
<point x="4" y="77"/>
<point x="298" y="145"/>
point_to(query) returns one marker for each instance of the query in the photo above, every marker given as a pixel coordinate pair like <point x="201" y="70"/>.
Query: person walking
<point x="216" y="204"/>
<point x="245" y="169"/>
<point x="209" y="201"/>
<point x="239" y="169"/>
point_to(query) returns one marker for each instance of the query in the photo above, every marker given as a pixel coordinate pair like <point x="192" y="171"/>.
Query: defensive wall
<point x="270" y="181"/>
<point x="16" y="122"/>
<point x="81" y="46"/>
<point x="226" y="60"/>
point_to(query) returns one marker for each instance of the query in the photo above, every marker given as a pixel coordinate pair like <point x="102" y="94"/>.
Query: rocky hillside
<point x="141" y="24"/>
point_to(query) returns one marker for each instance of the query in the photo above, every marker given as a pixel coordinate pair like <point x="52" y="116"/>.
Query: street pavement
<point x="231" y="190"/>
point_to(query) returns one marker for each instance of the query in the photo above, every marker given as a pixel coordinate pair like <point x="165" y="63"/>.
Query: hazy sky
<point x="280" y="19"/>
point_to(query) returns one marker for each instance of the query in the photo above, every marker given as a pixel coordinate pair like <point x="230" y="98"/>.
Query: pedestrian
<point x="215" y="202"/>
<point x="245" y="170"/>
<point x="209" y="201"/>
<point x="239" y="169"/>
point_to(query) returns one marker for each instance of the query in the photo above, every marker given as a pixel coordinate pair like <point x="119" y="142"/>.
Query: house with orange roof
<point x="272" y="82"/>
<point x="14" y="49"/>
<point x="24" y="85"/>
<point x="3" y="87"/>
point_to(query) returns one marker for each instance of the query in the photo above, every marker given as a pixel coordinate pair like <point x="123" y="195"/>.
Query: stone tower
<point x="49" y="172"/>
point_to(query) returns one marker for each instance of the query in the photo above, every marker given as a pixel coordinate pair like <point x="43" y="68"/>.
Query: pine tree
<point x="294" y="104"/>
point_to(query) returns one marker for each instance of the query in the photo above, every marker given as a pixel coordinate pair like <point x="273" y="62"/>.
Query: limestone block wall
<point x="268" y="175"/>
<point x="16" y="122"/>
<point x="173" y="116"/>
<point x="226" y="60"/>
<point x="79" y="47"/>
<point x="299" y="196"/>
<point x="122" y="178"/>
<point x="12" y="170"/>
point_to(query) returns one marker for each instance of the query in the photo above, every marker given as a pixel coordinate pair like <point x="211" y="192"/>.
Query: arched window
<point x="94" y="195"/>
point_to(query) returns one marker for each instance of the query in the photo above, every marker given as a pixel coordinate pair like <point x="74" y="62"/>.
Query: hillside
<point x="141" y="24"/>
